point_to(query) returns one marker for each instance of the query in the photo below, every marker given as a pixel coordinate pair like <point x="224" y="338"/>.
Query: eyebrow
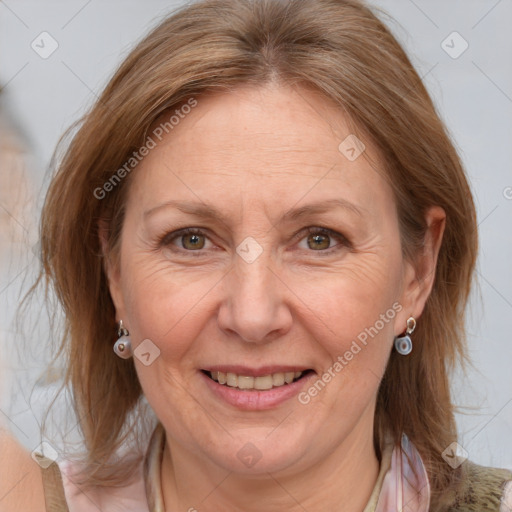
<point x="204" y="211"/>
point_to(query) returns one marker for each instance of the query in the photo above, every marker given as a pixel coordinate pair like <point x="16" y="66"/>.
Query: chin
<point x="260" y="454"/>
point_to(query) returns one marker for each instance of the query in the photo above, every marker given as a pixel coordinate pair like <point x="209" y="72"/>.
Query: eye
<point x="189" y="239"/>
<point x="320" y="239"/>
<point x="317" y="239"/>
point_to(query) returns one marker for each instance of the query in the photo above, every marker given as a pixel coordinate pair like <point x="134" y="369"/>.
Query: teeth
<point x="232" y="380"/>
<point x="245" y="382"/>
<point x="263" y="383"/>
<point x="288" y="377"/>
<point x="278" y="379"/>
<point x="260" y="383"/>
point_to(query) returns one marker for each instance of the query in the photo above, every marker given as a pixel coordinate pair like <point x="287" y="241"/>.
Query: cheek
<point x="353" y="312"/>
<point x="356" y="336"/>
<point x="166" y="306"/>
<point x="355" y="296"/>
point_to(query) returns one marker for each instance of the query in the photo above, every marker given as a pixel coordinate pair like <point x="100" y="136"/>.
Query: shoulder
<point x="21" y="486"/>
<point x="47" y="485"/>
<point x="484" y="489"/>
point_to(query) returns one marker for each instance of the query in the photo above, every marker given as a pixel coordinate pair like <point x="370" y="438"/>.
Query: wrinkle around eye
<point x="170" y="242"/>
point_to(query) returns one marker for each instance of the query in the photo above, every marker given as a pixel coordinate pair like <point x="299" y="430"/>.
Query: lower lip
<point x="253" y="400"/>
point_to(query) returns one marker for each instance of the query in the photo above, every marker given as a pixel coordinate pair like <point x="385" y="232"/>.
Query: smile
<point x="265" y="389"/>
<point x="247" y="382"/>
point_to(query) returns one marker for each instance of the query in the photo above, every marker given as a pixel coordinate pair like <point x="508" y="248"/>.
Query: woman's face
<point x="294" y="265"/>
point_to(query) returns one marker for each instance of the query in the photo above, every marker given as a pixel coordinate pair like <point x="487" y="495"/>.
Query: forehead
<point x="259" y="143"/>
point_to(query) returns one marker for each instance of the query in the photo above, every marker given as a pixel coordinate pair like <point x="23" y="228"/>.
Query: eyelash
<point x="166" y="240"/>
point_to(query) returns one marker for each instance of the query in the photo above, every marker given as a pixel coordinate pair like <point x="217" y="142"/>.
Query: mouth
<point x="263" y="382"/>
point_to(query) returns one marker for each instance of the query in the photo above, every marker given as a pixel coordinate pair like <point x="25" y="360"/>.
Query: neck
<point x="343" y="480"/>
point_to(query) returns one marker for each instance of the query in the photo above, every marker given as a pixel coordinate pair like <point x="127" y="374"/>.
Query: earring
<point x="123" y="346"/>
<point x="403" y="344"/>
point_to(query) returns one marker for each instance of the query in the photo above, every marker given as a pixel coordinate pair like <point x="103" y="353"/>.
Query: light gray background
<point x="474" y="96"/>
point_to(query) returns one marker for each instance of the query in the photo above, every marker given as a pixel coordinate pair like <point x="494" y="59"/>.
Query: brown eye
<point x="323" y="241"/>
<point x="192" y="241"/>
<point x="186" y="240"/>
<point x="318" y="241"/>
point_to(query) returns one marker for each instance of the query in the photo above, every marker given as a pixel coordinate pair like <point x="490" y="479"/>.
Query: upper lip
<point x="255" y="372"/>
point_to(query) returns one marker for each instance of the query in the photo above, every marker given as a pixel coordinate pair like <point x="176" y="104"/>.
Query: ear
<point x="112" y="270"/>
<point x="419" y="274"/>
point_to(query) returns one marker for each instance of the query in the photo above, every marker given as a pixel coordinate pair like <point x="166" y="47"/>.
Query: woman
<point x="265" y="219"/>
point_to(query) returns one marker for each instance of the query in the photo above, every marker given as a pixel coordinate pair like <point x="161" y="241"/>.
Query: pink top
<point x="398" y="487"/>
<point x="131" y="498"/>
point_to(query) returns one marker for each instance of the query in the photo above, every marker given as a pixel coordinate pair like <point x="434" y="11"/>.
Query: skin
<point x="21" y="486"/>
<point x="255" y="155"/>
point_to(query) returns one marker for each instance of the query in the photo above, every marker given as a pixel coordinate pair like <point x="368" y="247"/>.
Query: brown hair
<point x="340" y="49"/>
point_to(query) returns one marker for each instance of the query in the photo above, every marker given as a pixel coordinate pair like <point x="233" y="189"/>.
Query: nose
<point x="255" y="307"/>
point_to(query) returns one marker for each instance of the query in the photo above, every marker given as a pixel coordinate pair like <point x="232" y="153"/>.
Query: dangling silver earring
<point x="403" y="344"/>
<point x="123" y="346"/>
